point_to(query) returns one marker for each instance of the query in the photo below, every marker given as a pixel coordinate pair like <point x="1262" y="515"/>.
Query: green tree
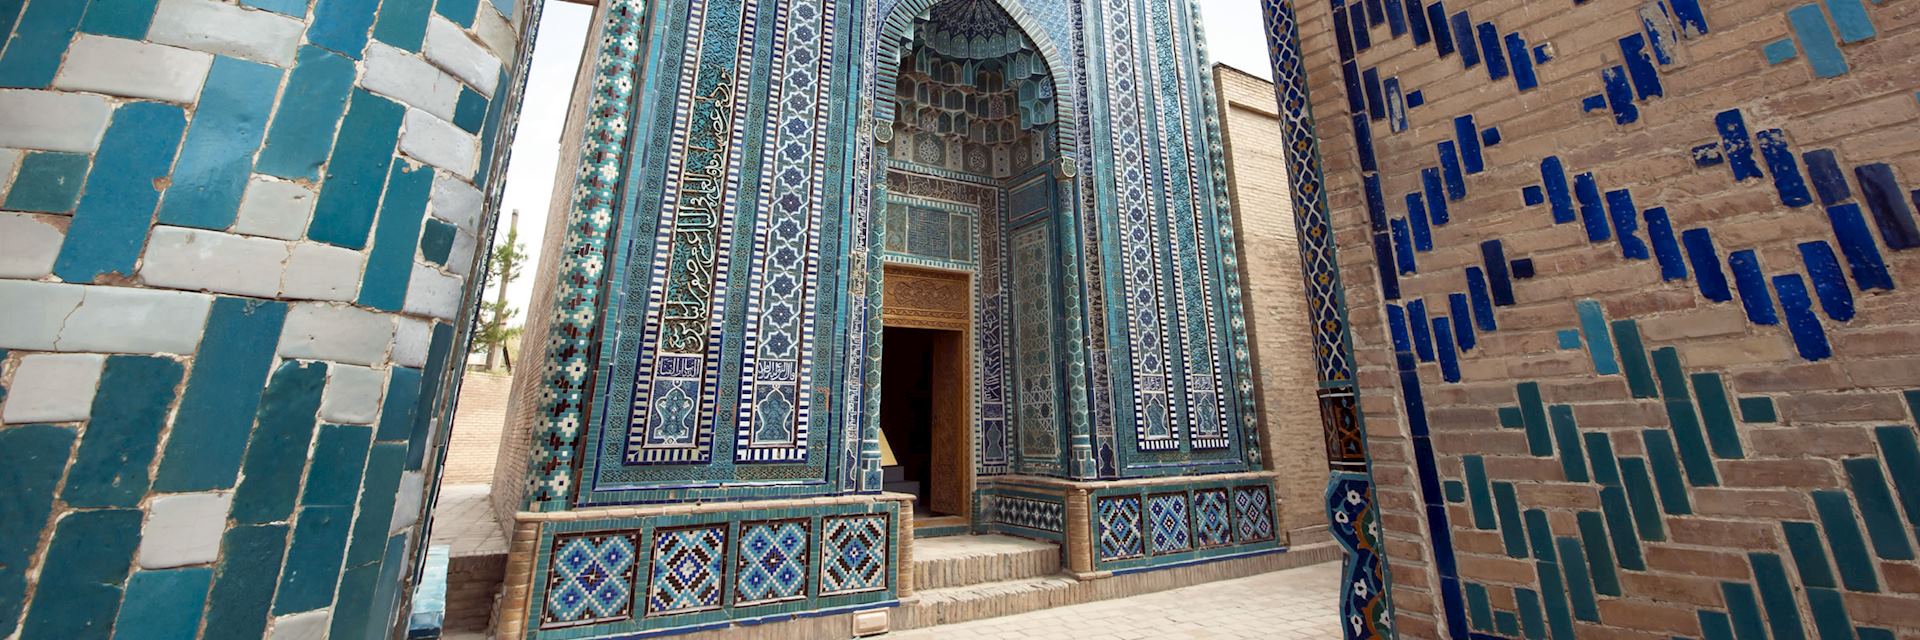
<point x="504" y="266"/>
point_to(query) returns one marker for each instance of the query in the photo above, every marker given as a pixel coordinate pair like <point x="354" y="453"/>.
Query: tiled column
<point x="235" y="238"/>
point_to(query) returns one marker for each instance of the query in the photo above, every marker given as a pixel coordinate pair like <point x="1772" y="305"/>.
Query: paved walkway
<point x="464" y="520"/>
<point x="1292" y="604"/>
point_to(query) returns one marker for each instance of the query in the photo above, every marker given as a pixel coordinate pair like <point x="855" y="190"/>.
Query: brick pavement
<point x="463" y="519"/>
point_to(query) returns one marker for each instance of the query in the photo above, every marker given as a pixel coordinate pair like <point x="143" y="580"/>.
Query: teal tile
<point x="1871" y="633"/>
<point x="386" y="597"/>
<point x="1877" y="508"/>
<point x="9" y="12"/>
<point x="339" y="455"/>
<point x="390" y="264"/>
<point x="118" y="445"/>
<point x="1533" y="414"/>
<point x="163" y="605"/>
<point x="277" y="454"/>
<point x="1633" y="359"/>
<point x="1600" y="454"/>
<point x="1844" y="538"/>
<point x="439" y="349"/>
<point x="1913" y="403"/>
<point x="217" y="158"/>
<point x="217" y="409"/>
<point x="302" y="133"/>
<point x="1533" y="621"/>
<point x="1567" y="433"/>
<point x="460" y="12"/>
<point x="243" y="588"/>
<point x="343" y="213"/>
<point x="403" y="398"/>
<point x="403" y="23"/>
<point x="1512" y="531"/>
<point x="1809" y="554"/>
<point x="1899" y="449"/>
<point x="1717" y="411"/>
<point x="376" y="503"/>
<point x="1694" y="455"/>
<point x="1456" y="491"/>
<point x="86" y="566"/>
<point x="1479" y="494"/>
<point x="1579" y="579"/>
<point x="1744" y="610"/>
<point x="38" y="43"/>
<point x="489" y="133"/>
<point x="436" y="241"/>
<point x="295" y="8"/>
<point x="1666" y="472"/>
<point x="1593" y="323"/>
<point x="1666" y="368"/>
<point x="1553" y="593"/>
<point x="1776" y="592"/>
<point x="1506" y="623"/>
<point x="1714" y="625"/>
<point x="1626" y="541"/>
<point x="1540" y="535"/>
<point x="31" y="459"/>
<point x="1593" y="539"/>
<point x="1479" y="608"/>
<point x="1568" y="338"/>
<point x="1829" y="613"/>
<point x="1640" y="499"/>
<point x="119" y="18"/>
<point x="110" y="224"/>
<point x="351" y="612"/>
<point x="313" y="562"/>
<point x="470" y="113"/>
<point x="48" y="182"/>
<point x="1758" y="410"/>
<point x="1510" y="418"/>
<point x="342" y="25"/>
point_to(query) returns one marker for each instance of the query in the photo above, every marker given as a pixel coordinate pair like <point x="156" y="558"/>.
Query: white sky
<point x="1234" y="37"/>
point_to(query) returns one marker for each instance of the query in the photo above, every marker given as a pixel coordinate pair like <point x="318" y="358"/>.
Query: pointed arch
<point x="896" y="31"/>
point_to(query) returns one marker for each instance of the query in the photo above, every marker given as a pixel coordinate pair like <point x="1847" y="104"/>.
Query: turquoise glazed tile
<point x="1744" y="610"/>
<point x="48" y="182"/>
<point x="1716" y="410"/>
<point x="1776" y="592"/>
<point x="1479" y="609"/>
<point x="403" y="398"/>
<point x="1593" y="539"/>
<point x="302" y="133"/>
<point x="1533" y="621"/>
<point x="217" y="157"/>
<point x="489" y="133"/>
<point x="1510" y="418"/>
<point x="119" y="18"/>
<point x="339" y="455"/>
<point x="1579" y="580"/>
<point x="1626" y="542"/>
<point x="1540" y="535"/>
<point x="350" y="612"/>
<point x="1871" y="633"/>
<point x="1666" y="472"/>
<point x="1898" y="447"/>
<point x="1633" y="358"/>
<point x="1877" y="507"/>
<point x="118" y="445"/>
<point x="341" y="25"/>
<point x="403" y="23"/>
<point x="438" y="351"/>
<point x="1809" y="554"/>
<point x="470" y="113"/>
<point x="460" y="12"/>
<point x="1641" y="500"/>
<point x="277" y="453"/>
<point x="1606" y="471"/>
<point x="313" y="560"/>
<point x="1566" y="433"/>
<point x="1569" y="338"/>
<point x="1715" y="625"/>
<point x="1593" y="323"/>
<point x="1455" y="490"/>
<point x="1506" y="623"/>
<point x="1844" y="538"/>
<point x="1829" y="613"/>
<point x="1533" y="415"/>
<point x="1759" y="410"/>
<point x="390" y="264"/>
<point x="110" y="224"/>
<point x="9" y="13"/>
<point x="1479" y="493"/>
<point x="86" y="565"/>
<point x="436" y="241"/>
<point x="386" y="596"/>
<point x="1554" y="594"/>
<point x="376" y="503"/>
<point x="295" y="8"/>
<point x="31" y="459"/>
<point x="250" y="559"/>
<point x="217" y="410"/>
<point x="1512" y="531"/>
<point x="39" y="41"/>
<point x="163" y="605"/>
<point x="343" y="213"/>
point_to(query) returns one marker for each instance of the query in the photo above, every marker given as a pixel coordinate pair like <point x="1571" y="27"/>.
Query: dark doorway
<point x="924" y="415"/>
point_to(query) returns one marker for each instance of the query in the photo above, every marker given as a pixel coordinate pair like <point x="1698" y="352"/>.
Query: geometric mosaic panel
<point x="773" y="562"/>
<point x="853" y="554"/>
<point x="1039" y="515"/>
<point x="591" y="580"/>
<point x="1212" y="521"/>
<point x="1167" y="514"/>
<point x="1253" y="513"/>
<point x="689" y="568"/>
<point x="1119" y="527"/>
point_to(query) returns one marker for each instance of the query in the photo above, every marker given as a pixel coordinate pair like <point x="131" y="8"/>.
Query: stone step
<point x="951" y="605"/>
<point x="958" y="561"/>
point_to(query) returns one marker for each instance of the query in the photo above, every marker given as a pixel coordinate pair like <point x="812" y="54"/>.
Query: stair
<point x="957" y="561"/>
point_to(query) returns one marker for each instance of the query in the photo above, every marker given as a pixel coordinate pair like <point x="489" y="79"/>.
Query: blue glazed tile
<point x="1716" y="410"/>
<point x="81" y="578"/>
<point x="1389" y="273"/>
<point x="1828" y="180"/>
<point x="1851" y="18"/>
<point x="390" y="264"/>
<point x="1626" y="221"/>
<point x="1533" y="196"/>
<point x="217" y="410"/>
<point x="1463" y="39"/>
<point x="1533" y="415"/>
<point x="1432" y="493"/>
<point x="1816" y="40"/>
<point x="397" y="412"/>
<point x="48" y="182"/>
<point x="1889" y="206"/>
<point x="1361" y="39"/>
<point x="1592" y="213"/>
<point x="1513" y="532"/>
<point x="1708" y="155"/>
<point x="1533" y="622"/>
<point x="1397" y="322"/>
<point x="1706" y="264"/>
<point x="343" y="213"/>
<point x="1442" y="36"/>
<point x="1343" y="36"/>
<point x="110" y="468"/>
<point x="1456" y="491"/>
<point x="1809" y="554"/>
<point x="277" y="451"/>
<point x="1462" y="320"/>
<point x="1776" y="592"/>
<point x="1844" y="537"/>
<point x="1410" y="397"/>
<point x="403" y="23"/>
<point x="1692" y="443"/>
<point x="436" y="241"/>
<point x="1715" y="625"/>
<point x="438" y="351"/>
<point x="1737" y="145"/>
<point x="1809" y="338"/>
<point x="1416" y="99"/>
<point x="1619" y="93"/>
<point x="489" y="133"/>
<point x="1667" y="475"/>
<point x="1479" y="493"/>
<point x="1593" y="322"/>
<point x="1752" y="284"/>
<point x="1376" y="202"/>
<point x="1878" y="509"/>
<point x="1541" y="55"/>
<point x="1666" y="248"/>
<point x="1554" y="592"/>
<point x="350" y="615"/>
<point x="1523" y="75"/>
<point x="1829" y="613"/>
<point x="1626" y="542"/>
<point x="295" y="8"/>
<point x="1417" y="22"/>
<point x="1396" y="104"/>
<point x="377" y="490"/>
<point x="163" y="605"/>
<point x="1494" y="257"/>
<point x="1579" y="579"/>
<point x="119" y="18"/>
<point x="1456" y="179"/>
<point x="1522" y="268"/>
<point x="1491" y="49"/>
<point x="1417" y="321"/>
<point x="1786" y="173"/>
<point x="1758" y="409"/>
<point x="217" y="157"/>
<point x="250" y="559"/>
<point x="1471" y="159"/>
<point x="1422" y="228"/>
<point x="1780" y="51"/>
<point x="1370" y="79"/>
<point x="39" y="40"/>
<point x="1482" y="299"/>
<point x="1693" y="21"/>
<point x="1553" y="175"/>
<point x="1856" y="242"/>
<point x="1640" y="69"/>
<point x="1569" y="338"/>
<point x="31" y="459"/>
<point x="341" y="25"/>
<point x="1506" y="623"/>
<point x="339" y="455"/>
<point x="1593" y="103"/>
<point x="1443" y="343"/>
<point x="313" y="559"/>
<point x="1356" y="96"/>
<point x="1640" y="499"/>
<point x="1435" y="194"/>
<point x="1872" y="633"/>
<point x="1633" y="359"/>
<point x="1566" y="434"/>
<point x="1606" y="470"/>
<point x="1540" y="536"/>
<point x="1490" y="137"/>
<point x="110" y="224"/>
<point x="1829" y="283"/>
<point x="1744" y="609"/>
<point x="1363" y="142"/>
<point x="470" y="113"/>
<point x="302" y="133"/>
<point x="1593" y="541"/>
<point x="1479" y="608"/>
<point x="1898" y="447"/>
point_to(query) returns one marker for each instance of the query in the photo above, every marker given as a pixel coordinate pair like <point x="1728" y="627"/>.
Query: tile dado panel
<point x="1630" y="310"/>
<point x="235" y="240"/>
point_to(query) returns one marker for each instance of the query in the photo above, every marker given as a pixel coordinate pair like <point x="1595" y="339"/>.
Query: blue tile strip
<point x="1666" y="248"/>
<point x="277" y="452"/>
<point x="1786" y="173"/>
<point x="1592" y="213"/>
<point x="390" y="264"/>
<point x="1776" y="592"/>
<point x="120" y="441"/>
<point x="31" y="460"/>
<point x="1845" y="539"/>
<point x="1747" y="277"/>
<point x="1816" y="40"/>
<point x="1706" y="264"/>
<point x="302" y="133"/>
<point x="1899" y="449"/>
<point x="161" y="605"/>
<point x="1851" y="18"/>
<point x="38" y="42"/>
<point x="1829" y="282"/>
<point x="1481" y="298"/>
<point x="343" y="213"/>
<point x="217" y="410"/>
<point x="1869" y="269"/>
<point x="1593" y="323"/>
<point x="250" y="558"/>
<point x="82" y="576"/>
<point x="1878" y="509"/>
<point x="1828" y="180"/>
<point x="217" y="157"/>
<point x="110" y="226"/>
<point x="1666" y="472"/>
<point x="1626" y="220"/>
<point x="1888" y="203"/>
<point x="1808" y="336"/>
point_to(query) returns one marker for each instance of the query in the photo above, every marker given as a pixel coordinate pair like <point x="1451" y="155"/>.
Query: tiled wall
<point x="234" y="244"/>
<point x="1628" y="323"/>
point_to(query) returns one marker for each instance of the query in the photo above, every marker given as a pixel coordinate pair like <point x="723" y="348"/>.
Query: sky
<point x="1233" y="37"/>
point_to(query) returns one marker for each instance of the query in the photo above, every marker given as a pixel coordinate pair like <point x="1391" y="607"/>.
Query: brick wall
<point x="235" y="244"/>
<point x="474" y="446"/>
<point x="1654" y="374"/>
<point x="1290" y="435"/>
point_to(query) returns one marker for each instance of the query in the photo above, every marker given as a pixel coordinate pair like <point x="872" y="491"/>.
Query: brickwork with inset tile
<point x="235" y="239"/>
